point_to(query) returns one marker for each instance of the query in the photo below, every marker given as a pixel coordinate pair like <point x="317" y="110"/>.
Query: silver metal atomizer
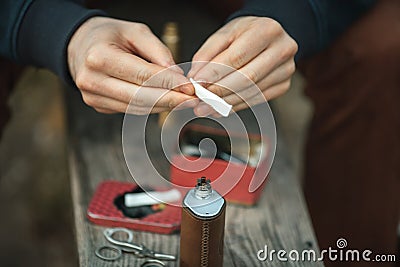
<point x="202" y="228"/>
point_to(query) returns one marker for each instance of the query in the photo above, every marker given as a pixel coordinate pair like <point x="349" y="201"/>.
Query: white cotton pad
<point x="211" y="99"/>
<point x="144" y="199"/>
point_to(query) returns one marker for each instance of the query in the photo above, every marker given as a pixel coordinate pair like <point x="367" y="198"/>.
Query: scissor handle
<point x="99" y="253"/>
<point x="128" y="246"/>
<point x="109" y="232"/>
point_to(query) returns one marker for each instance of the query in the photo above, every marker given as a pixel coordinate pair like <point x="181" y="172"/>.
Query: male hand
<point x="256" y="46"/>
<point x="110" y="59"/>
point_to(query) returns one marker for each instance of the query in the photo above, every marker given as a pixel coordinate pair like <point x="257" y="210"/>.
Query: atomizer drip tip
<point x="203" y="188"/>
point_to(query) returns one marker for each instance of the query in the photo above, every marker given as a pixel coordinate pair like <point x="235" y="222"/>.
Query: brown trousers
<point x="352" y="172"/>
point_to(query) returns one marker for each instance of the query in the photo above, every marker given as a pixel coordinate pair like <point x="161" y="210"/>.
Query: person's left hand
<point x="256" y="46"/>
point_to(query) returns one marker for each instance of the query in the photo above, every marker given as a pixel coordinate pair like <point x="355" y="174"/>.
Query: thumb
<point x="214" y="45"/>
<point x="146" y="45"/>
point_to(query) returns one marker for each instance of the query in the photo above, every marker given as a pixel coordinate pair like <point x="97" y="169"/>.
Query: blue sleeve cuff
<point x="45" y="31"/>
<point x="314" y="24"/>
<point x="296" y="17"/>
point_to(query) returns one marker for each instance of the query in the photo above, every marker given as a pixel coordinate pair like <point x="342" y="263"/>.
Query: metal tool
<point x="127" y="246"/>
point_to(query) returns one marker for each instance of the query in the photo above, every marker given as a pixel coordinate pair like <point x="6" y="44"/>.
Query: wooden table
<point x="280" y="220"/>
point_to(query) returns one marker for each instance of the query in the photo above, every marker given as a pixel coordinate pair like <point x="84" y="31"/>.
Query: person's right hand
<point x="110" y="59"/>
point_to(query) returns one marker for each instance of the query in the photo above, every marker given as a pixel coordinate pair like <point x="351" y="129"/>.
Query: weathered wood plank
<point x="280" y="220"/>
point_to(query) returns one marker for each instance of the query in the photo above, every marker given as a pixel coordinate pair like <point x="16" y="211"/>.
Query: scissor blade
<point x="164" y="257"/>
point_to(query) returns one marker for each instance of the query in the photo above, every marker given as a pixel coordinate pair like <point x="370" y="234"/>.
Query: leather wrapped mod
<point x="202" y="239"/>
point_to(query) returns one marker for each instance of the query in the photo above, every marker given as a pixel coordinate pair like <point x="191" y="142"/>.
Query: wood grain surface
<point x="280" y="220"/>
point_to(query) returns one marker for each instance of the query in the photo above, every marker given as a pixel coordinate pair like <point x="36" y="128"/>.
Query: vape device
<point x="202" y="227"/>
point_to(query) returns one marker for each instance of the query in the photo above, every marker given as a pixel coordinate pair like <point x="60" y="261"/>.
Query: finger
<point x="251" y="93"/>
<point x="165" y="98"/>
<point x="144" y="110"/>
<point x="102" y="103"/>
<point x="117" y="63"/>
<point x="246" y="99"/>
<point x="144" y="43"/>
<point x="271" y="93"/>
<point x="256" y="96"/>
<point x="126" y="92"/>
<point x="105" y="111"/>
<point x="281" y="74"/>
<point x="214" y="45"/>
<point x="203" y="109"/>
<point x="238" y="54"/>
<point x="191" y="103"/>
<point x="103" y="85"/>
<point x="260" y="72"/>
<point x="108" y="105"/>
<point x="255" y="71"/>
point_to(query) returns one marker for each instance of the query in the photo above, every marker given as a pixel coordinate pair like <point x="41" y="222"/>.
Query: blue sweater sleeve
<point x="312" y="23"/>
<point x="11" y="14"/>
<point x="37" y="32"/>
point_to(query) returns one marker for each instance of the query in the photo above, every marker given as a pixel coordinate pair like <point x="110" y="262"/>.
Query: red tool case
<point x="103" y="211"/>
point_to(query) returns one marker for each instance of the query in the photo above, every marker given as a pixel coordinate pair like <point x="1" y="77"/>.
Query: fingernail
<point x="201" y="81"/>
<point x="176" y="69"/>
<point x="216" y="115"/>
<point x="203" y="110"/>
<point x="191" y="103"/>
<point x="187" y="89"/>
<point x="191" y="73"/>
<point x="167" y="64"/>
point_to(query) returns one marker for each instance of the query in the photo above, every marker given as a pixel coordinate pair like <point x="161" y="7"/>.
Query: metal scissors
<point x="129" y="247"/>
